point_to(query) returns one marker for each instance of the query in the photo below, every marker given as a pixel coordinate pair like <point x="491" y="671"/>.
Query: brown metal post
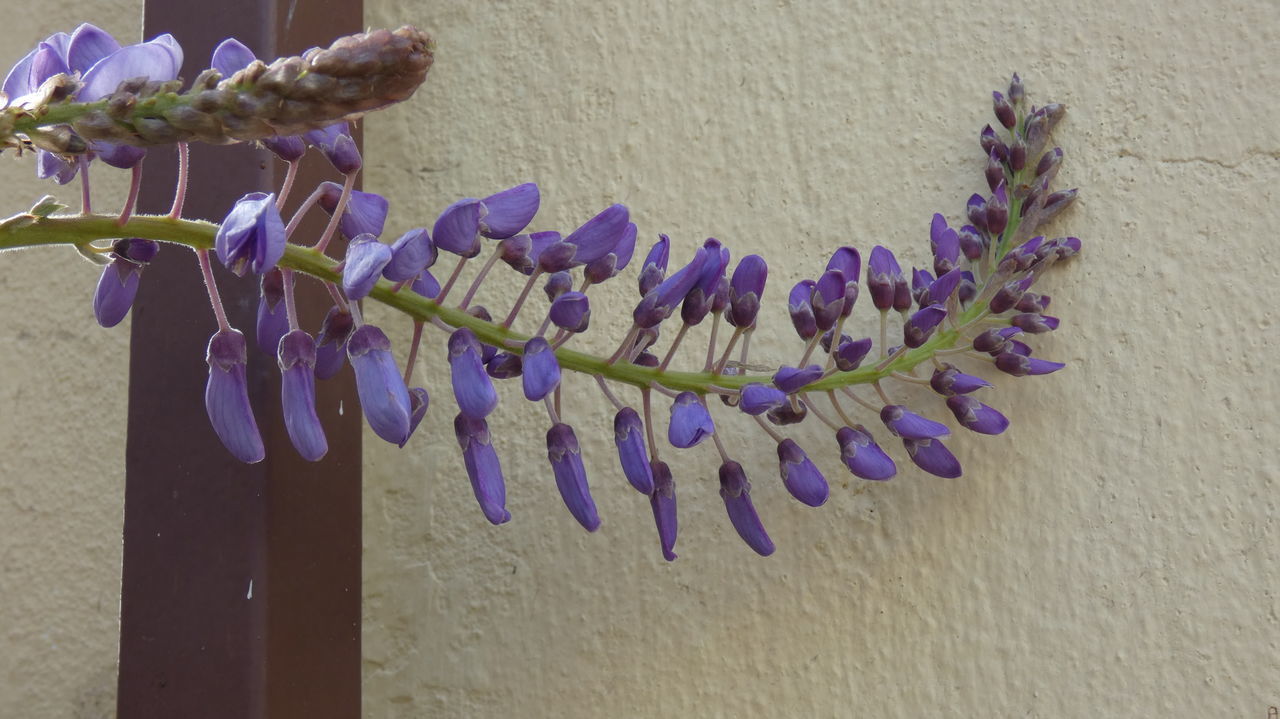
<point x="241" y="583"/>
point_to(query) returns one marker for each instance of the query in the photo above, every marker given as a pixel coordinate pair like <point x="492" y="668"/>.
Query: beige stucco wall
<point x="1113" y="554"/>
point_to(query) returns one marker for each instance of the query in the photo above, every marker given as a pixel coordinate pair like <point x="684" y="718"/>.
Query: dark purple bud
<point x="663" y="503"/>
<point x="970" y="242"/>
<point x="736" y="492"/>
<point x="1032" y="302"/>
<point x="909" y="425"/>
<point x="505" y="365"/>
<point x="571" y="311"/>
<point x="1004" y="111"/>
<point x="571" y="476"/>
<point x="1049" y="161"/>
<point x="337" y="145"/>
<point x="483" y="467"/>
<point x="412" y="253"/>
<point x="968" y="288"/>
<point x="759" y="398"/>
<point x="426" y="285"/>
<point x="976" y="210"/>
<point x="365" y="213"/>
<point x="381" y="389"/>
<point x="611" y="264"/>
<point x="1019" y="348"/>
<point x="828" y="299"/>
<point x="792" y="379"/>
<point x="940" y="289"/>
<point x="1008" y="295"/>
<point x="541" y="370"/>
<point x="273" y="319"/>
<point x="801" y="310"/>
<point x="991" y="142"/>
<point x="1020" y="365"/>
<point x="117" y="288"/>
<point x="1017" y="154"/>
<point x="252" y="235"/>
<point x="950" y="381"/>
<point x="997" y="214"/>
<point x="1065" y="247"/>
<point x="885" y="281"/>
<point x="472" y="387"/>
<point x="1056" y="203"/>
<point x="715" y="266"/>
<point x="721" y="298"/>
<point x="290" y="148"/>
<point x="1034" y="323"/>
<point x="945" y="243"/>
<point x="799" y="475"/>
<point x="695" y="307"/>
<point x="226" y="397"/>
<point x="661" y="301"/>
<point x="599" y="235"/>
<point x="849" y="355"/>
<point x="792" y="412"/>
<point x="140" y="251"/>
<point x="1015" y="89"/>
<point x="331" y="342"/>
<point x="976" y="415"/>
<point x="827" y="336"/>
<point x="509" y="211"/>
<point x="690" y="421"/>
<point x="628" y="434"/>
<point x="366" y="258"/>
<point x="515" y="251"/>
<point x="558" y="283"/>
<point x="297" y="360"/>
<point x="654" y="268"/>
<point x="646" y="359"/>
<point x="995" y="171"/>
<point x="918" y="329"/>
<point x="863" y="456"/>
<point x="995" y="340"/>
<point x="555" y="257"/>
<point x="920" y="281"/>
<point x="457" y="230"/>
<point x="932" y="456"/>
<point x="419" y="400"/>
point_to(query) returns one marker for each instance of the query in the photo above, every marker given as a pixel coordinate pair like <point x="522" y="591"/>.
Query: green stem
<point x="27" y="230"/>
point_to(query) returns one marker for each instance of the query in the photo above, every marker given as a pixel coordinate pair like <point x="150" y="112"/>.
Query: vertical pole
<point x="240" y="592"/>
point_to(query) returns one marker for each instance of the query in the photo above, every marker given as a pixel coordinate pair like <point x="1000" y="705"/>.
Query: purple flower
<point x="921" y="325"/>
<point x="1004" y="111"/>
<point x="932" y="456"/>
<point x="571" y="476"/>
<point x="610" y="265"/>
<point x="337" y="145"/>
<point x="628" y="435"/>
<point x="885" y="281"/>
<point x="1020" y="365"/>
<point x="654" y="268"/>
<point x="331" y="342"/>
<point x="756" y="398"/>
<point x="119" y="282"/>
<point x="745" y="290"/>
<point x="792" y="379"/>
<point x="297" y="360"/>
<point x="849" y="355"/>
<point x="426" y="285"/>
<point x="799" y="475"/>
<point x="159" y="60"/>
<point x="949" y="381"/>
<point x="905" y="423"/>
<point x="366" y="258"/>
<point x="690" y="421"/>
<point x="571" y="311"/>
<point x="509" y="211"/>
<point x="472" y="387"/>
<point x="483" y="468"/>
<point x="976" y="415"/>
<point x="801" y="310"/>
<point x="849" y="263"/>
<point x="505" y="365"/>
<point x="252" y="235"/>
<point x="828" y="299"/>
<point x="940" y="289"/>
<point x="226" y="397"/>
<point x="540" y="369"/>
<point x="976" y="208"/>
<point x="557" y="284"/>
<point x="412" y="253"/>
<point x="663" y="503"/>
<point x="862" y="455"/>
<point x="1034" y="322"/>
<point x="365" y="212"/>
<point x="997" y="213"/>
<point x="661" y="301"/>
<point x="995" y="340"/>
<point x="735" y="490"/>
<point x="599" y="235"/>
<point x="381" y="389"/>
<point x="457" y="230"/>
<point x="273" y="319"/>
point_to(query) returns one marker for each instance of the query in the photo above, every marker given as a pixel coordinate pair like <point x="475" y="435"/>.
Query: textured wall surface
<point x="63" y="388"/>
<point x="1113" y="554"/>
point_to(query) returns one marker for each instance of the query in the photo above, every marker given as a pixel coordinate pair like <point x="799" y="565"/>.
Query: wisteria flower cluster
<point x="82" y="96"/>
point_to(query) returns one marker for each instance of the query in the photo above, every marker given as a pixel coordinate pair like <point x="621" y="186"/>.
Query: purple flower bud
<point x="971" y="243"/>
<point x="799" y="475"/>
<point x="798" y="305"/>
<point x="426" y="285"/>
<point x="940" y="289"/>
<point x="117" y="288"/>
<point x="663" y="503"/>
<point x="365" y="212"/>
<point x="571" y="311"/>
<point x="745" y="290"/>
<point x="995" y="340"/>
<point x="252" y="235"/>
<point x="557" y="256"/>
<point x="950" y="381"/>
<point x="976" y="415"/>
<point x="909" y="425"/>
<point x="366" y="258"/>
<point x="922" y="324"/>
<point x="1020" y="365"/>
<point x="920" y="281"/>
<point x="997" y="214"/>
<point x="1008" y="295"/>
<point x="945" y="243"/>
<point x="885" y="281"/>
<point x="297" y="359"/>
<point x="472" y="387"/>
<point x="991" y="142"/>
<point x="541" y="370"/>
<point x="505" y="365"/>
<point x="509" y="211"/>
<point x="825" y="342"/>
<point x="661" y="301"/>
<point x="1049" y="161"/>
<point x="690" y="421"/>
<point x="849" y="355"/>
<point x="828" y="299"/>
<point x="1017" y="154"/>
<point x="968" y="290"/>
<point x="1015" y="89"/>
<point x="848" y="262"/>
<point x="457" y="230"/>
<point x="1056" y="203"/>
<point x="1032" y="302"/>
<point x="863" y="456"/>
<point x="571" y="476"/>
<point x="646" y="359"/>
<point x="412" y="253"/>
<point x="736" y="492"/>
<point x="976" y="210"/>
<point x="604" y="268"/>
<point x="716" y="264"/>
<point x="792" y="412"/>
<point x="792" y="379"/>
<point x="418" y="403"/>
<point x="721" y="298"/>
<point x="628" y="434"/>
<point x="226" y="397"/>
<point x="932" y="456"/>
<point x="339" y="148"/>
<point x="1004" y="111"/>
<point x="1034" y="323"/>
<point x="382" y="391"/>
<point x="654" y="268"/>
<point x="331" y="342"/>
<point x="995" y="170"/>
<point x="598" y="236"/>
<point x="273" y="319"/>
<point x="289" y="148"/>
<point x="1065" y="247"/>
<point x="483" y="467"/>
<point x="759" y="398"/>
